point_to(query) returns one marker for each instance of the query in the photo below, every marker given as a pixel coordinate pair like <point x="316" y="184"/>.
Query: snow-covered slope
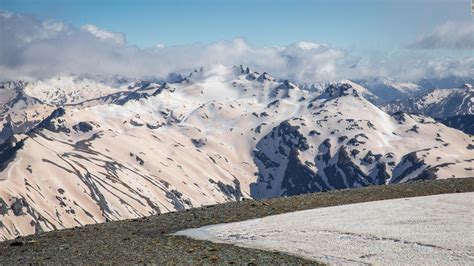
<point x="433" y="230"/>
<point x="220" y="134"/>
<point x="438" y="103"/>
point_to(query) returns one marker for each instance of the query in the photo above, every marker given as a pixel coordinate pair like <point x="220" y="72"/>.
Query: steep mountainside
<point x="218" y="135"/>
<point x="465" y="123"/>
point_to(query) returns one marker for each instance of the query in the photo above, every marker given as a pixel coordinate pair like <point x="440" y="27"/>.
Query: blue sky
<point x="349" y="24"/>
<point x="306" y="41"/>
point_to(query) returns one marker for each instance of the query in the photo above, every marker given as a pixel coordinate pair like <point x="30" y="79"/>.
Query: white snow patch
<point x="432" y="230"/>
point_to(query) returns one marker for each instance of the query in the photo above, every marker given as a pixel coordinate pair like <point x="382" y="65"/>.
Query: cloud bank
<point x="34" y="49"/>
<point x="451" y="35"/>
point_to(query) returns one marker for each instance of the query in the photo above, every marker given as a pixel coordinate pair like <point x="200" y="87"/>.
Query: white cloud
<point x="32" y="49"/>
<point x="106" y="35"/>
<point x="450" y="35"/>
<point x="54" y="26"/>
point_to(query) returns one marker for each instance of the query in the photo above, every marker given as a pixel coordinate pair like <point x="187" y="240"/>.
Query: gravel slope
<point x="148" y="239"/>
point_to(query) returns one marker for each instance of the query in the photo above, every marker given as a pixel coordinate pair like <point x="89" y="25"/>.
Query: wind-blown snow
<point x="432" y="230"/>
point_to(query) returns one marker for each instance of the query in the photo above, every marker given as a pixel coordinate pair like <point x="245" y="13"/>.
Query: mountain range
<point x="76" y="150"/>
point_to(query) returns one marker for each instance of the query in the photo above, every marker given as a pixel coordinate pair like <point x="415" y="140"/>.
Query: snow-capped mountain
<point x="75" y="88"/>
<point x="438" y="103"/>
<point x="219" y="134"/>
<point x="388" y="90"/>
<point x="345" y="141"/>
<point x="19" y="112"/>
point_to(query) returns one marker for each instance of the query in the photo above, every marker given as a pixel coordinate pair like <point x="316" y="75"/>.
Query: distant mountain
<point x="80" y="150"/>
<point x="75" y="89"/>
<point x="438" y="103"/>
<point x="388" y="90"/>
<point x="445" y="82"/>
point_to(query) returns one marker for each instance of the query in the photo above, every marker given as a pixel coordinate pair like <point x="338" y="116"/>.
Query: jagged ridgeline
<point x="78" y="150"/>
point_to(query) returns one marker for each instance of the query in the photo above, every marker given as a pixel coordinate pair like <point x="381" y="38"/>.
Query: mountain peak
<point x="340" y="89"/>
<point x="265" y="77"/>
<point x="346" y="88"/>
<point x="467" y="86"/>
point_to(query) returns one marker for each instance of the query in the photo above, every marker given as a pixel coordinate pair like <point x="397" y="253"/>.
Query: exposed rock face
<point x="83" y="127"/>
<point x="8" y="151"/>
<point x="465" y="123"/>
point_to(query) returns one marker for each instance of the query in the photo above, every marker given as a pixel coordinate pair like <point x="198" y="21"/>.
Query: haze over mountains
<point x="80" y="149"/>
